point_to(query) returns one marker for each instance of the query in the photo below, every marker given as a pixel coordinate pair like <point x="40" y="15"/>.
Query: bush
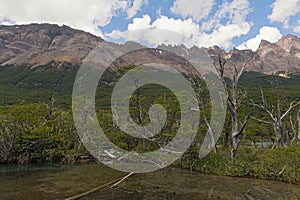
<point x="282" y="164"/>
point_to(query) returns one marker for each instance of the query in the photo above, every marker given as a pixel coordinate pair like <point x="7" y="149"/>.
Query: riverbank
<point x="172" y="183"/>
<point x="282" y="164"/>
<point x="183" y="184"/>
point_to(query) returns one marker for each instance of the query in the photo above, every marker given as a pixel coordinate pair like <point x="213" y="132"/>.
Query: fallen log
<point x="115" y="182"/>
<point x="120" y="181"/>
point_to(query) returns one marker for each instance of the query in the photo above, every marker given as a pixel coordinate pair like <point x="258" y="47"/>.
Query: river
<point x="60" y="182"/>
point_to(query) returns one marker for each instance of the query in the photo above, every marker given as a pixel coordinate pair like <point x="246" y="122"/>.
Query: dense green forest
<point x="36" y="123"/>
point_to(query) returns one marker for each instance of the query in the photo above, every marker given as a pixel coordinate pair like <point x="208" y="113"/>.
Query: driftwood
<point x="115" y="182"/>
<point x="109" y="154"/>
<point x="120" y="181"/>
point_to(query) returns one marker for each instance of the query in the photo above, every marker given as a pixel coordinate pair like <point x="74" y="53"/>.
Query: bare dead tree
<point x="233" y="100"/>
<point x="226" y="134"/>
<point x="50" y="107"/>
<point x="298" y="119"/>
<point x="200" y="99"/>
<point x="7" y="139"/>
<point x="212" y="139"/>
<point x="287" y="135"/>
<point x="138" y="102"/>
<point x="85" y="114"/>
<point x="293" y="130"/>
<point x="276" y="116"/>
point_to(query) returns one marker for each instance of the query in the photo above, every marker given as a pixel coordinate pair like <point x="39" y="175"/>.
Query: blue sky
<point x="226" y="23"/>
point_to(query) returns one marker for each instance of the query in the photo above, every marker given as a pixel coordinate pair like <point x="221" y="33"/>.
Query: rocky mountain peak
<point x="38" y="44"/>
<point x="265" y="44"/>
<point x="289" y="42"/>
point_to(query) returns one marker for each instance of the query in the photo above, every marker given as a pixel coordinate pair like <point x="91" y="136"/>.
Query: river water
<point x="61" y="182"/>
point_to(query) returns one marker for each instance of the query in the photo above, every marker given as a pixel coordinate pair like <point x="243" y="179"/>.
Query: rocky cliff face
<point x="281" y="56"/>
<point x="269" y="58"/>
<point x="39" y="44"/>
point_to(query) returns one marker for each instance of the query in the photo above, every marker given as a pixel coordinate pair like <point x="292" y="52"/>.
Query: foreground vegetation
<point x="271" y="164"/>
<point x="36" y="124"/>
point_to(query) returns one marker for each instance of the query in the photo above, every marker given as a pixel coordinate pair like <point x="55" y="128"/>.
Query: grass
<point x="281" y="164"/>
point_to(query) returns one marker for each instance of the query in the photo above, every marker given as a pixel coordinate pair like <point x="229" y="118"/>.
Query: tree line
<point x="45" y="132"/>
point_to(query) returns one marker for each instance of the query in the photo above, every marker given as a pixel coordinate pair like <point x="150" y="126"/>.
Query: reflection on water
<point x="51" y="182"/>
<point x="60" y="182"/>
<point x="15" y="169"/>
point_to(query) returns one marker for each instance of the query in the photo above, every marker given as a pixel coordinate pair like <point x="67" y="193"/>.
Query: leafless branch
<point x="292" y="106"/>
<point x="262" y="121"/>
<point x="265" y="109"/>
<point x="244" y="66"/>
<point x="264" y="102"/>
<point x="293" y="129"/>
<point x="243" y="126"/>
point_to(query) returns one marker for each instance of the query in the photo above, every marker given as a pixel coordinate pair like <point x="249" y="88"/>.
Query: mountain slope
<point x="40" y="44"/>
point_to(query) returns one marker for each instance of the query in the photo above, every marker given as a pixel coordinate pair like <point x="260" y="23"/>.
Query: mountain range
<point x="39" y="44"/>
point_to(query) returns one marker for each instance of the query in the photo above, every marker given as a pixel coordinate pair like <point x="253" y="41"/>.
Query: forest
<point x="260" y="138"/>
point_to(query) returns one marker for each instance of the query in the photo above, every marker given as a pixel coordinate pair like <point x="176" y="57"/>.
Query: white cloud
<point x="6" y="21"/>
<point x="176" y="31"/>
<point x="137" y="4"/>
<point x="283" y="10"/>
<point x="227" y="23"/>
<point x="162" y="30"/>
<point x="270" y="34"/>
<point x="234" y="12"/>
<point x="297" y="28"/>
<point x="197" y="9"/>
<point x="159" y="12"/>
<point x="224" y="35"/>
<point x="184" y="27"/>
<point x="140" y="23"/>
<point x="81" y="14"/>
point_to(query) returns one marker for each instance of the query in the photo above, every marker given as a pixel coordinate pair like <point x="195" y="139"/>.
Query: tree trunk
<point x="226" y="140"/>
<point x="287" y="137"/>
<point x="227" y="134"/>
<point x="298" y="119"/>
<point x="212" y="139"/>
<point x="235" y="136"/>
<point x="140" y="117"/>
<point x="278" y="131"/>
<point x="145" y="144"/>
